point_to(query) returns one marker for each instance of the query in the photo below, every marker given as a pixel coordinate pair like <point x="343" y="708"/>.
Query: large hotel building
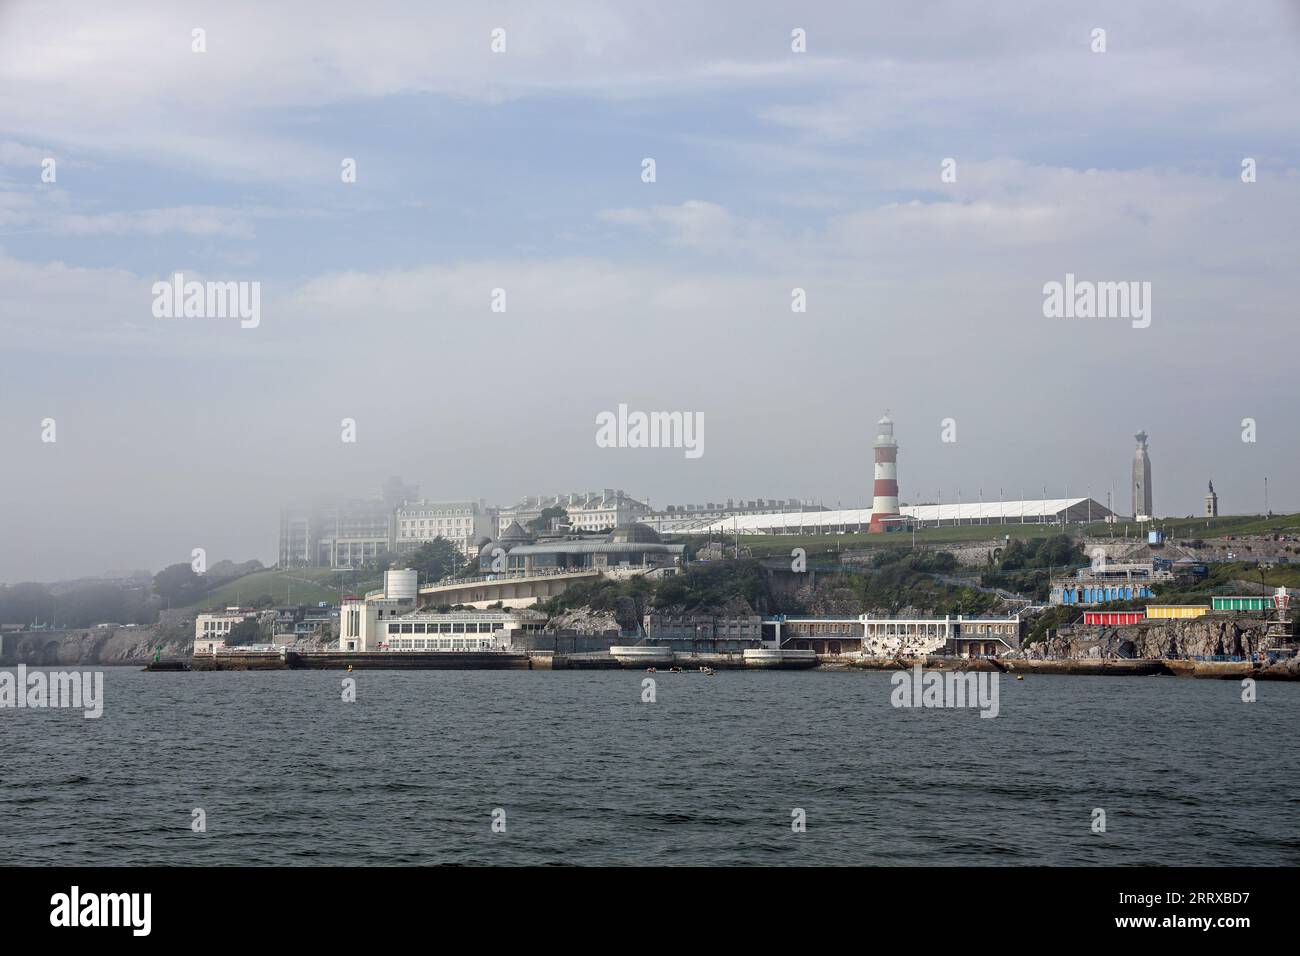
<point x="354" y="532"/>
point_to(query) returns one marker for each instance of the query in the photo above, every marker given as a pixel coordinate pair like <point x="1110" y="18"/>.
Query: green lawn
<point x="294" y="586"/>
<point x="762" y="546"/>
<point x="1191" y="528"/>
<point x="767" y="545"/>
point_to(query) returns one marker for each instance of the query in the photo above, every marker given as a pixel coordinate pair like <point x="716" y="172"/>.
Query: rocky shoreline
<point x="1208" y="636"/>
<point x="120" y="646"/>
<point x="1112" y="667"/>
<point x="1145" y="649"/>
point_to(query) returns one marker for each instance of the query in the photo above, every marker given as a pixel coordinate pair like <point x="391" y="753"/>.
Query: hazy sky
<point x="522" y="171"/>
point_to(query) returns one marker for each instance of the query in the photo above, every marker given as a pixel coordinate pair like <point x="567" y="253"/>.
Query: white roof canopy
<point x="991" y="512"/>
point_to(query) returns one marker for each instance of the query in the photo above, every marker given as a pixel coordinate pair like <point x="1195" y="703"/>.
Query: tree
<point x="26" y="603"/>
<point x="247" y="631"/>
<point x="435" y="560"/>
<point x="179" y="586"/>
<point x="543" y="521"/>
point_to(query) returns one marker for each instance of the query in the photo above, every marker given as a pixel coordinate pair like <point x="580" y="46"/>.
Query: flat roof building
<point x="1028" y="511"/>
<point x="633" y="547"/>
<point x="472" y="630"/>
<point x="894" y="636"/>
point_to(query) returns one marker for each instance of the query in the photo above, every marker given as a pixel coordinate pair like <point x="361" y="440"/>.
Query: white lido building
<point x="458" y="630"/>
<point x="1030" y="511"/>
<point x="384" y="627"/>
<point x="390" y="620"/>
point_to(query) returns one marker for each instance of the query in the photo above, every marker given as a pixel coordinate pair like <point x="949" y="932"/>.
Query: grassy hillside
<point x="294" y="586"/>
<point x="818" y="545"/>
<point x="1206" y="528"/>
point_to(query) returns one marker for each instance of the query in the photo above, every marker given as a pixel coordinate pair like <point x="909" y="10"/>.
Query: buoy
<point x="1020" y="677"/>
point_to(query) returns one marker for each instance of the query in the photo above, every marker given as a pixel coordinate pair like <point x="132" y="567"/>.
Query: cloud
<point x="185" y="220"/>
<point x="778" y="170"/>
<point x="18" y="154"/>
<point x="122" y="79"/>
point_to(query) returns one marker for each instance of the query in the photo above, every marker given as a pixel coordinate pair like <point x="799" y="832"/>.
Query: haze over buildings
<point x="522" y="172"/>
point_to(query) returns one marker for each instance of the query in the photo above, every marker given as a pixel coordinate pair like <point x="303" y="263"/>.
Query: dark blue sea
<point x="285" y="772"/>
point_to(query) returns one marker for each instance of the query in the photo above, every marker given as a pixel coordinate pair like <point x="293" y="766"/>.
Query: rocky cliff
<point x="585" y="620"/>
<point x="1203" y="636"/>
<point x="123" y="645"/>
<point x="133" y="645"/>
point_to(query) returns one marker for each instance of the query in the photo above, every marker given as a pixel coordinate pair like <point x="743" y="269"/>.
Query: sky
<point x="523" y="170"/>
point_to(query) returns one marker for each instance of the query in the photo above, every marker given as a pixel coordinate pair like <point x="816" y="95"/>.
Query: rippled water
<point x="709" y="774"/>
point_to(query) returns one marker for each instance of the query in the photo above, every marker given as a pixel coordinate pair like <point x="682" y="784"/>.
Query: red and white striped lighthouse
<point x="885" y="503"/>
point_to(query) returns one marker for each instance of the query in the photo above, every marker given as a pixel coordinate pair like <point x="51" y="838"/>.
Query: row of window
<point x="442" y="644"/>
<point x="399" y="627"/>
<point x="219" y="627"/>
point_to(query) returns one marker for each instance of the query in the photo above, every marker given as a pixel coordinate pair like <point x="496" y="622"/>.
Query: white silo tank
<point x="401" y="584"/>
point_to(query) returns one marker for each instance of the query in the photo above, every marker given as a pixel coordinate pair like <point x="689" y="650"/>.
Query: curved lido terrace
<point x="512" y="589"/>
<point x="518" y="570"/>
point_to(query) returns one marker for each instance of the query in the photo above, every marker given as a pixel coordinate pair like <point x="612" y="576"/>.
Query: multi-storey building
<point x="358" y="531"/>
<point x="353" y="533"/>
<point x="685" y="518"/>
<point x="211" y="630"/>
<point x="340" y="534"/>
<point x="726" y="631"/>
<point x="587" y="511"/>
<point x="297" y="546"/>
<point x="465" y="524"/>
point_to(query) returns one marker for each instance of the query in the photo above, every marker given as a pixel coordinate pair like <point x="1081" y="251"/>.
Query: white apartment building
<point x="463" y="523"/>
<point x="211" y="630"/>
<point x="681" y="518"/>
<point x="588" y="511"/>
